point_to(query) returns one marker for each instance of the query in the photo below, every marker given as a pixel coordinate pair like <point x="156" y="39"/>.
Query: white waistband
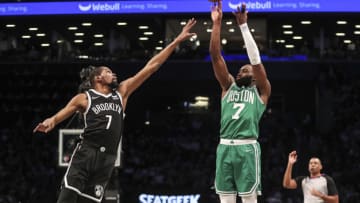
<point x="236" y="142"/>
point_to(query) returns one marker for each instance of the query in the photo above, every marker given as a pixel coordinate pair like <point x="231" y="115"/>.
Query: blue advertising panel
<point x="173" y="6"/>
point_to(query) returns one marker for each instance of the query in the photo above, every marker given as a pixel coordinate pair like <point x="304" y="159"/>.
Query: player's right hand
<point x="216" y="11"/>
<point x="45" y="126"/>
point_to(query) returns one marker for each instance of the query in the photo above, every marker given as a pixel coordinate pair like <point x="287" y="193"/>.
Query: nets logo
<point x="99" y="190"/>
<point x="99" y="7"/>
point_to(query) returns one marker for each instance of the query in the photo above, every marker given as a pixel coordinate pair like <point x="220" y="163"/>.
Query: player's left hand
<point x="241" y="14"/>
<point x="185" y="33"/>
<point x="316" y="193"/>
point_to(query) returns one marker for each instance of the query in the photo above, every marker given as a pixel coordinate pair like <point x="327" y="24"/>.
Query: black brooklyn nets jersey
<point x="103" y="120"/>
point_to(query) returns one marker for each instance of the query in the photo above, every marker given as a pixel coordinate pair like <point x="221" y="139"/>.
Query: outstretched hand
<point x="216" y="11"/>
<point x="185" y="33"/>
<point x="241" y="14"/>
<point x="45" y="126"/>
<point x="292" y="157"/>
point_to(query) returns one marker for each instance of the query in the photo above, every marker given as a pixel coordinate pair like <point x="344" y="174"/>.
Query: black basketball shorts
<point x="89" y="171"/>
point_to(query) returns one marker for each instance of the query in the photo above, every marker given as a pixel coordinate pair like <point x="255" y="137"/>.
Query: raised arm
<point x="77" y="103"/>
<point x="288" y="181"/>
<point x="260" y="76"/>
<point x="218" y="62"/>
<point x="128" y="86"/>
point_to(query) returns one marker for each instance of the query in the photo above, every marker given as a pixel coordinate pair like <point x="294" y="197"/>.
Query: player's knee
<point x="67" y="196"/>
<point x="249" y="198"/>
<point x="227" y="198"/>
<point x="84" y="200"/>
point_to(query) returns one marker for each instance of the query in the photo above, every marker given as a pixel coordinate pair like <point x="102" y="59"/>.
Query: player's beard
<point x="244" y="81"/>
<point x="114" y="84"/>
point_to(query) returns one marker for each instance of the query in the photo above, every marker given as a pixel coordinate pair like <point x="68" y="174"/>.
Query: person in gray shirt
<point x="317" y="187"/>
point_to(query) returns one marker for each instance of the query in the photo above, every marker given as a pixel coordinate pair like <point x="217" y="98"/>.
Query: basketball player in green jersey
<point x="244" y="99"/>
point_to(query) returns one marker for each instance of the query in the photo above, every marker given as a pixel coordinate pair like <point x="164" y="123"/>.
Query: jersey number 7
<point x="239" y="107"/>
<point x="109" y="121"/>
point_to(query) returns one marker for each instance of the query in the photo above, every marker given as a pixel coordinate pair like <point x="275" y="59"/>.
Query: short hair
<point x="314" y="157"/>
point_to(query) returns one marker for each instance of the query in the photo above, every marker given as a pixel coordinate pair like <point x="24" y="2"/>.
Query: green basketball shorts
<point x="238" y="167"/>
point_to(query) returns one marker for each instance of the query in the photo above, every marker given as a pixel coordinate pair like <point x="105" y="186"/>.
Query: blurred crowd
<point x="119" y="46"/>
<point x="175" y="150"/>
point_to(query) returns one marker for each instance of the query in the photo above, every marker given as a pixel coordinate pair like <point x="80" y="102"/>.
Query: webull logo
<point x="99" y="7"/>
<point x="252" y="5"/>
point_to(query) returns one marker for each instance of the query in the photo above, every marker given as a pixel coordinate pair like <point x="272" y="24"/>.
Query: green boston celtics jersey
<point x="241" y="110"/>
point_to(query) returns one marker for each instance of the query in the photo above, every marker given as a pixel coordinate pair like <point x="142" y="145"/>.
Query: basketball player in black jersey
<point x="103" y="108"/>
